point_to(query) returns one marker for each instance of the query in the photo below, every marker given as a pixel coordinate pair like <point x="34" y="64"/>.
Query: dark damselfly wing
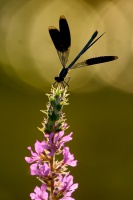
<point x="61" y="39"/>
<point x="86" y="47"/>
<point x="91" y="61"/>
<point x="94" y="61"/>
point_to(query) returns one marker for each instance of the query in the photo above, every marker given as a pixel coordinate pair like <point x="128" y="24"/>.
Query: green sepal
<point x="53" y="116"/>
<point x="58" y="107"/>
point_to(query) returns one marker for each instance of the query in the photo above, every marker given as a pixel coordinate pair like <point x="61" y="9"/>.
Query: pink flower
<point x="56" y="141"/>
<point x="68" y="157"/>
<point x="39" y="152"/>
<point x="66" y="186"/>
<point x="39" y="193"/>
<point x="39" y="169"/>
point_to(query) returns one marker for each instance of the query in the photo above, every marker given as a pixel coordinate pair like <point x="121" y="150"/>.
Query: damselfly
<point x="62" y="42"/>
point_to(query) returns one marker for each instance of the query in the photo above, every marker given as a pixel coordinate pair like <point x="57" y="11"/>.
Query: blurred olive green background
<point x="101" y="97"/>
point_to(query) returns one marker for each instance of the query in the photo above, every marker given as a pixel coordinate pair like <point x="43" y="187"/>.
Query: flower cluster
<point x="50" y="161"/>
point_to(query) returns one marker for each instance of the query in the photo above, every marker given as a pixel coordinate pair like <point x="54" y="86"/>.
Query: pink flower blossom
<point x="68" y="158"/>
<point x="39" y="193"/>
<point x="39" y="151"/>
<point x="66" y="186"/>
<point x="39" y="169"/>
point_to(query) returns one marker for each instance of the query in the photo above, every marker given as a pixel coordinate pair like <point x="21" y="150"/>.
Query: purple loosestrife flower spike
<point x="45" y="162"/>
